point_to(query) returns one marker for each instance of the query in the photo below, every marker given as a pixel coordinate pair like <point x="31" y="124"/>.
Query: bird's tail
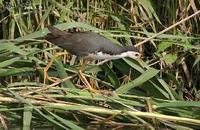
<point x="54" y="34"/>
<point x="55" y="31"/>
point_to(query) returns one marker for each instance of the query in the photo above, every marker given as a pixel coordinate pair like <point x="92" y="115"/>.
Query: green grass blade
<point x="147" y="75"/>
<point x="27" y="117"/>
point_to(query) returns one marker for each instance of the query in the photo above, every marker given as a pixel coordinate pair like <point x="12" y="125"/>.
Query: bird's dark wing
<point x="90" y="42"/>
<point x="81" y="43"/>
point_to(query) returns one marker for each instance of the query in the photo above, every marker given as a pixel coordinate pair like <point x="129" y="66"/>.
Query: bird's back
<point x="81" y="43"/>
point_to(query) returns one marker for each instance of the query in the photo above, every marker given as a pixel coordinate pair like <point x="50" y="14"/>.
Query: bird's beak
<point x="139" y="56"/>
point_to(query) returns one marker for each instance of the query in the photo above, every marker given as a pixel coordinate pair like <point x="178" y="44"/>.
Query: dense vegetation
<point x="161" y="91"/>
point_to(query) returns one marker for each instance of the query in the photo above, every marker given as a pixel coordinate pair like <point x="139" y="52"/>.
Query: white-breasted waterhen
<point x="89" y="45"/>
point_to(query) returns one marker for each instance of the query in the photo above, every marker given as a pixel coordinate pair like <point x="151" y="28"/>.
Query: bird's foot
<point x="84" y="80"/>
<point x="47" y="78"/>
<point x="45" y="69"/>
<point x="92" y="89"/>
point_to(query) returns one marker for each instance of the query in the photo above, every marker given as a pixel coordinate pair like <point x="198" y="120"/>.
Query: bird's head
<point x="132" y="52"/>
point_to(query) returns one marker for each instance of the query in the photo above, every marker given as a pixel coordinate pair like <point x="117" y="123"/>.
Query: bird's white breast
<point x="102" y="56"/>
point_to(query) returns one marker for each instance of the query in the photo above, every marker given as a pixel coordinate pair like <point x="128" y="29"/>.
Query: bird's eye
<point x="138" y="55"/>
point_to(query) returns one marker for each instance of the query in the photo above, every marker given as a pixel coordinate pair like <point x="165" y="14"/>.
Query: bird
<point x="89" y="45"/>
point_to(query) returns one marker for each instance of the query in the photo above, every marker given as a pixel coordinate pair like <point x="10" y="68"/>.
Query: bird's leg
<point x="83" y="78"/>
<point x="53" y="79"/>
<point x="89" y="87"/>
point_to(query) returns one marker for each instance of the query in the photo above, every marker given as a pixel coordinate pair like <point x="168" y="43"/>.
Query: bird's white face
<point x="132" y="54"/>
